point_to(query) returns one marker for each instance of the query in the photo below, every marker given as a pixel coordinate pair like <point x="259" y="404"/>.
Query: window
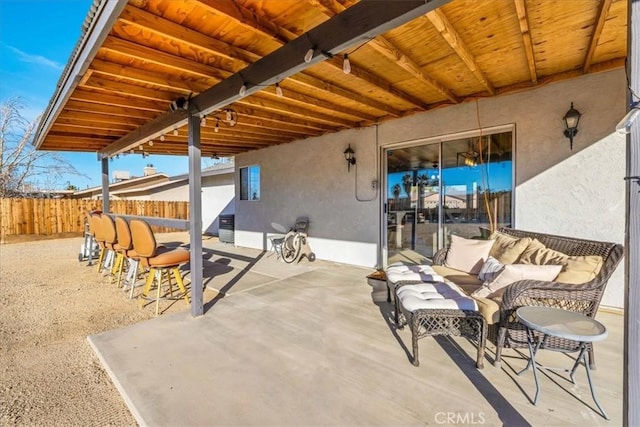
<point x="250" y="183"/>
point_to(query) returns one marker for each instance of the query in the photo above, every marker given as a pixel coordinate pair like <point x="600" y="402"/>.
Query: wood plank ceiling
<point x="160" y="50"/>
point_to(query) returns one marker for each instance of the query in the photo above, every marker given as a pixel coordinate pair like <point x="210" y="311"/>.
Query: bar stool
<point x="98" y="234"/>
<point x="110" y="242"/>
<point x="159" y="260"/>
<point x="124" y="249"/>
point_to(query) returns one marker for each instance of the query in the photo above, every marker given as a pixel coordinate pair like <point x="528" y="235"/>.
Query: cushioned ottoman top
<point x="439" y="295"/>
<point x="414" y="273"/>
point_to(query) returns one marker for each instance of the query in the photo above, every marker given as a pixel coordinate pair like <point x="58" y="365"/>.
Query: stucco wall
<point x="577" y="192"/>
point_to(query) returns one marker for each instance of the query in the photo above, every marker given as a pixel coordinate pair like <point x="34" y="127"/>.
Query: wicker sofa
<point x="504" y="328"/>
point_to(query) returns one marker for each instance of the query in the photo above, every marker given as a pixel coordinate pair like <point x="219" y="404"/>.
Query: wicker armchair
<point x="583" y="298"/>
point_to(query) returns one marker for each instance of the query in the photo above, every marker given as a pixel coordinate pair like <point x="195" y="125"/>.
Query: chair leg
<point x="133" y="276"/>
<point x="120" y="271"/>
<point x="101" y="258"/>
<point x="116" y="269"/>
<point x="147" y="286"/>
<point x="502" y="333"/>
<point x="158" y="289"/>
<point x="176" y="274"/>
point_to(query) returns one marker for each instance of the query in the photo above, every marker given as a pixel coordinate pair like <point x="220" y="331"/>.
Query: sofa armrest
<point x="582" y="298"/>
<point x="440" y="256"/>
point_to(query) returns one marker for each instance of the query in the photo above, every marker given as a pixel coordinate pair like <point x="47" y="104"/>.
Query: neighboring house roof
<point x="161" y="182"/>
<point x="138" y="182"/>
<point x="173" y="182"/>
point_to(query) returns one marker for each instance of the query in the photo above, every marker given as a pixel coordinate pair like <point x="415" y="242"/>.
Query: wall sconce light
<point x="349" y="157"/>
<point x="571" y="120"/>
<point x="624" y="126"/>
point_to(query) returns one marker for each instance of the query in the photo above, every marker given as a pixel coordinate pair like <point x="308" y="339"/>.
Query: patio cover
<point x="134" y="59"/>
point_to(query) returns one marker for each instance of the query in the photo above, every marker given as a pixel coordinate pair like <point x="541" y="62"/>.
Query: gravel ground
<point x="49" y="304"/>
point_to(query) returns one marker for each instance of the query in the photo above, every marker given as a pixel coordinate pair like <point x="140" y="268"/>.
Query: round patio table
<point x="556" y="322"/>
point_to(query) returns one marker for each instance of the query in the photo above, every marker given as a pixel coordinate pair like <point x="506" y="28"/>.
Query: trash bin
<point x="226" y="229"/>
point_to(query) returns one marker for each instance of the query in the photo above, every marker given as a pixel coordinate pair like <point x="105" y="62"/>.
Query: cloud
<point x="36" y="59"/>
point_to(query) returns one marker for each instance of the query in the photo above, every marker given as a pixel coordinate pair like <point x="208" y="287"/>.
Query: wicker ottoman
<point x="401" y="273"/>
<point x="439" y="308"/>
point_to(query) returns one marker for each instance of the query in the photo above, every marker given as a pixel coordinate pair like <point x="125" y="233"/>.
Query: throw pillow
<point x="576" y="269"/>
<point x="467" y="255"/>
<point x="513" y="273"/>
<point x="580" y="269"/>
<point x="507" y="249"/>
<point x="490" y="270"/>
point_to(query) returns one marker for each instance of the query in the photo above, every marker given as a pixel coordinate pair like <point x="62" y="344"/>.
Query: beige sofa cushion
<point x="489" y="308"/>
<point x="467" y="255"/>
<point x="576" y="269"/>
<point x="466" y="281"/>
<point x="507" y="249"/>
<point x="513" y="273"/>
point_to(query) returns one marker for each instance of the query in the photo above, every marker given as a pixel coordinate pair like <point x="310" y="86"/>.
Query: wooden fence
<point x="54" y="217"/>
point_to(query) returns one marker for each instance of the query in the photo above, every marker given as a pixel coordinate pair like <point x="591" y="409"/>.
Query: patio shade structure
<point x="136" y="59"/>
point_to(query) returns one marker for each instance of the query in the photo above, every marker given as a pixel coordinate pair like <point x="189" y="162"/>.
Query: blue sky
<point x="36" y="40"/>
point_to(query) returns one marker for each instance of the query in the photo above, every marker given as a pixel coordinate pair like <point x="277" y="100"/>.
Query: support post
<point x="105" y="184"/>
<point x="631" y="369"/>
<point x="195" y="216"/>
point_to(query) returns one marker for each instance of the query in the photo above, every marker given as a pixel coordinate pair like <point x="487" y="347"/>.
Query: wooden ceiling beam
<point x="259" y="127"/>
<point x="105" y="119"/>
<point x="76" y="140"/>
<point x="131" y="90"/>
<point x="237" y="58"/>
<point x="279" y="107"/>
<point x="260" y="113"/>
<point x="82" y="106"/>
<point x="249" y="20"/>
<point x="141" y="76"/>
<point x="79" y="123"/>
<point x="315" y="83"/>
<point x="397" y="56"/>
<point x="244" y="17"/>
<point x="444" y="27"/>
<point x="390" y="51"/>
<point x="115" y="100"/>
<point x="523" y="19"/>
<point x="88" y="131"/>
<point x="360" y="22"/>
<point x="603" y="11"/>
<point x="177" y="63"/>
<point x="296" y="100"/>
<point x="144" y="53"/>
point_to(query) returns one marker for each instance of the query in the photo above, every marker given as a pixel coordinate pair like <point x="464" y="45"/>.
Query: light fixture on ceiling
<point x="349" y="157"/>
<point x="346" y="64"/>
<point x="243" y="89"/>
<point x="180" y="103"/>
<point x="571" y="120"/>
<point x="309" y="55"/>
<point x="228" y="116"/>
<point x="151" y="143"/>
<point x="162" y="137"/>
<point x="140" y="147"/>
<point x="469" y="158"/>
<point x="175" y="131"/>
<point x="279" y="90"/>
<point x="624" y="126"/>
<point x="203" y="120"/>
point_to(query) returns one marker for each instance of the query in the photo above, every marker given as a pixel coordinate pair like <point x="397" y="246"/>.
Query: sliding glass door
<point x="458" y="186"/>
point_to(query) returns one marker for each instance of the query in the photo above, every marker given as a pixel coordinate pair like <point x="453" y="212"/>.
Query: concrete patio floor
<point x="313" y="344"/>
